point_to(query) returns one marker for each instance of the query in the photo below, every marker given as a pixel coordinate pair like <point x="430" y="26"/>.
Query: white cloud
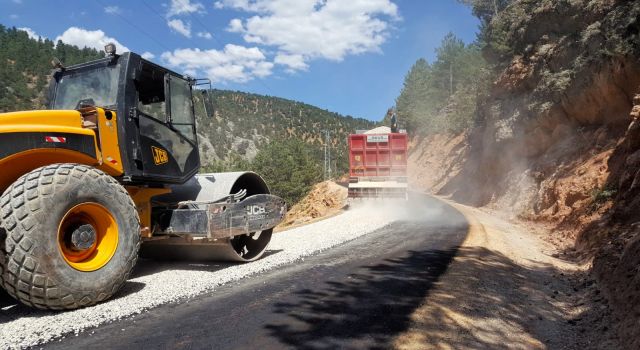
<point x="181" y="27"/>
<point x="302" y="30"/>
<point x="13" y="16"/>
<point x="235" y="26"/>
<point x="31" y="33"/>
<point x="112" y="10"/>
<point x="95" y="39"/>
<point x="205" y="35"/>
<point x="293" y="62"/>
<point x="233" y="64"/>
<point x="182" y="7"/>
<point x="148" y="55"/>
<point x="17" y="1"/>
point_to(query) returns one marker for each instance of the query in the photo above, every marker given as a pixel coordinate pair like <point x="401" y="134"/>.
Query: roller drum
<point x="211" y="187"/>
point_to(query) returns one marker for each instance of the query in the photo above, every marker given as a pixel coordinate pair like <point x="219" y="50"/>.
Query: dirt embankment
<point x="325" y="199"/>
<point x="505" y="289"/>
<point x="435" y="159"/>
<point x="557" y="140"/>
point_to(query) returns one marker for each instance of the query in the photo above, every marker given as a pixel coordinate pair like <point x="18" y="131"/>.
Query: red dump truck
<point x="378" y="164"/>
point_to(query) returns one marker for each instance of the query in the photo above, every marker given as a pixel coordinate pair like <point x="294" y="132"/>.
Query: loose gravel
<point x="164" y="282"/>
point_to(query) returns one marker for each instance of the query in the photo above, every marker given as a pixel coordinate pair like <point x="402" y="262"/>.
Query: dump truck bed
<point x="378" y="165"/>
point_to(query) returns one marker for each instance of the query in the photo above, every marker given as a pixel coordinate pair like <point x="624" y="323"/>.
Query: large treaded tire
<point x="3" y="238"/>
<point x="35" y="271"/>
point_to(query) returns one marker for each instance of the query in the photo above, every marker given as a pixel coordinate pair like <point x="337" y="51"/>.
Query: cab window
<point x="166" y="122"/>
<point x="94" y="87"/>
<point x="181" y="108"/>
<point x="151" y="96"/>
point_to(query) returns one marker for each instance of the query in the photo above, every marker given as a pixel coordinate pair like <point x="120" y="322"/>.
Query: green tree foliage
<point x="413" y="103"/>
<point x="25" y="66"/>
<point x="235" y="162"/>
<point x="493" y="34"/>
<point x="262" y="119"/>
<point x="289" y="168"/>
<point x="485" y="10"/>
<point x="441" y="97"/>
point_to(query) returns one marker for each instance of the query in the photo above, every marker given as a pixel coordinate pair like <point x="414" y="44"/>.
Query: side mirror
<point x="207" y="104"/>
<point x="56" y="63"/>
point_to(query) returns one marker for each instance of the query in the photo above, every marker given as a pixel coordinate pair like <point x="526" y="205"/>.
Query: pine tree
<point x="289" y="168"/>
<point x="486" y="9"/>
<point x="442" y="97"/>
<point x="412" y="104"/>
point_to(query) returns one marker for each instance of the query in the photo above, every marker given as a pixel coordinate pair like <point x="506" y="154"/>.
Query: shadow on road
<point x="492" y="302"/>
<point x="146" y="267"/>
<point x="402" y="302"/>
<point x="11" y="309"/>
<point x="368" y="311"/>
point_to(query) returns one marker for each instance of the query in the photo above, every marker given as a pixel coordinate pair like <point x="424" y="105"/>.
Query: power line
<point x="136" y="27"/>
<point x="162" y="18"/>
<point x="154" y="11"/>
<point x="215" y="38"/>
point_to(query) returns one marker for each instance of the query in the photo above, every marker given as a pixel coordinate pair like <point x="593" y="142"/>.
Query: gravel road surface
<point x="183" y="285"/>
<point x="357" y="295"/>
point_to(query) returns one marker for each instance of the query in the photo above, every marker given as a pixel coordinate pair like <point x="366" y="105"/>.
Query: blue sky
<point x="347" y="56"/>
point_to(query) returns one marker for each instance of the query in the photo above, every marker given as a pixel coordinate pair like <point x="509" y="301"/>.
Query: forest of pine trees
<point x="441" y="96"/>
<point x="25" y="65"/>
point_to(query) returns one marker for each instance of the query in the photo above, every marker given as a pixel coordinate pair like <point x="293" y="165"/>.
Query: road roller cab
<point x="110" y="166"/>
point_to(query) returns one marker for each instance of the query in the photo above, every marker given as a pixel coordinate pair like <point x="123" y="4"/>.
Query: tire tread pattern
<point x="21" y="274"/>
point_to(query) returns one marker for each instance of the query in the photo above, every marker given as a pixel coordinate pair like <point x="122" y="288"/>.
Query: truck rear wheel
<point x="73" y="236"/>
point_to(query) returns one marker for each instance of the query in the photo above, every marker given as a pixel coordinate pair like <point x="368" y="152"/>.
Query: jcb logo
<point x="160" y="156"/>
<point x="255" y="210"/>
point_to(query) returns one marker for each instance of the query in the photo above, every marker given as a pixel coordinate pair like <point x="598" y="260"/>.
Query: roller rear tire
<point x="72" y="237"/>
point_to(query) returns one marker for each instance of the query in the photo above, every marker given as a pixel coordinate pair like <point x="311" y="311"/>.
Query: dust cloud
<point x="418" y="208"/>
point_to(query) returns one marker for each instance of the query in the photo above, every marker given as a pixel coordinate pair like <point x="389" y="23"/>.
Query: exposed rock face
<point x="558" y="137"/>
<point x="435" y="160"/>
<point x="567" y="88"/>
<point x="242" y="123"/>
<point x="616" y="237"/>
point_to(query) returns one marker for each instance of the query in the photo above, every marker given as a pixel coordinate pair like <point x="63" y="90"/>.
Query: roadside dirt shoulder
<point x="325" y="200"/>
<point x="506" y="290"/>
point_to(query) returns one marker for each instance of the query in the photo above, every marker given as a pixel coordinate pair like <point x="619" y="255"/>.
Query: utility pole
<point x="327" y="154"/>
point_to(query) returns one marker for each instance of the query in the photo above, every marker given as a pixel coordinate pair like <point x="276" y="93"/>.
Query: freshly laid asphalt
<point x="358" y="295"/>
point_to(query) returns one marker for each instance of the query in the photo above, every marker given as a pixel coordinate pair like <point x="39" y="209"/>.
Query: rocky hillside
<point x="556" y="137"/>
<point x="244" y="122"/>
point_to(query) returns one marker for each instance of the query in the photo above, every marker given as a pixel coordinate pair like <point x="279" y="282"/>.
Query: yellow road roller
<point x="110" y="172"/>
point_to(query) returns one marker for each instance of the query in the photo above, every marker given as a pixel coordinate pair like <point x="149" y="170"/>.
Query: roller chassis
<point x="223" y="219"/>
<point x="85" y="191"/>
